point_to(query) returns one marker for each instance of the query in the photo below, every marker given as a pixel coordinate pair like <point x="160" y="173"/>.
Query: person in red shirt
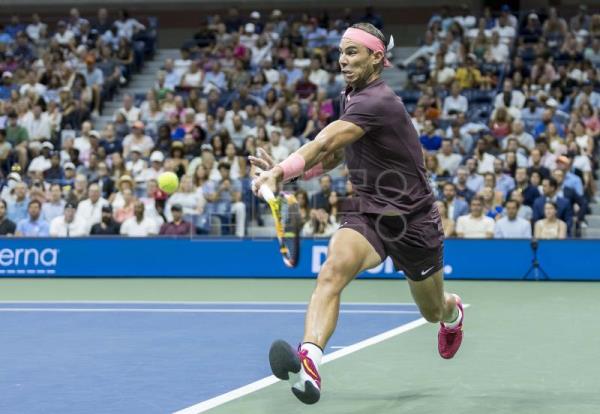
<point x="177" y="227"/>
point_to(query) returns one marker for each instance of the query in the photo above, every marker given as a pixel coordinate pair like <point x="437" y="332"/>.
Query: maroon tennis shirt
<point x="386" y="164"/>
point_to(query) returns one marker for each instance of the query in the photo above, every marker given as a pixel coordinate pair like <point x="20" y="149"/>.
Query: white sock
<point x="455" y="323"/>
<point x="314" y="352"/>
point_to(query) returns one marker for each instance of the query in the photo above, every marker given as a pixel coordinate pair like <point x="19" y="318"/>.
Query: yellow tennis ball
<point x="168" y="182"/>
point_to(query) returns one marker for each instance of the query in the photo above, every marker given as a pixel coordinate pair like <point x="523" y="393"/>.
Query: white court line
<point x="184" y="302"/>
<point x="270" y="380"/>
<point x="186" y="310"/>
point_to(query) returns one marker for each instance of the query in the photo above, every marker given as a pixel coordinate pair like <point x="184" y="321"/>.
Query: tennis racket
<point x="286" y="213"/>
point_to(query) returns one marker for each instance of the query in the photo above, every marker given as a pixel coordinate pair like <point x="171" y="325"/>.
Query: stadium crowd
<point x="506" y="107"/>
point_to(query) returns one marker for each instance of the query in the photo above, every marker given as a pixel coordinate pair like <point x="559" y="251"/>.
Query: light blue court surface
<point x="149" y="357"/>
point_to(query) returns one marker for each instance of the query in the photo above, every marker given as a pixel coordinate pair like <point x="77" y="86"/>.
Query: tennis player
<point x="393" y="213"/>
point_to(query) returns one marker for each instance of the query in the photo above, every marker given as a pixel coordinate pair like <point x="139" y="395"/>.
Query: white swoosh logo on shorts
<point x="424" y="272"/>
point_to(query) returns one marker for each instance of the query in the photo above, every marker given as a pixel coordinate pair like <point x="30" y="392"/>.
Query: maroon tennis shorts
<point x="415" y="244"/>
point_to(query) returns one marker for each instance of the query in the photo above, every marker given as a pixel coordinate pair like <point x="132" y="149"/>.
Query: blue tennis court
<point x="153" y="357"/>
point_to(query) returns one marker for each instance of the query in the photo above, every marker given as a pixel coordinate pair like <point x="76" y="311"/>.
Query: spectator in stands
<point x="138" y="225"/>
<point x="94" y="78"/>
<point x="67" y="224"/>
<point x="454" y="206"/>
<point x="90" y="210"/>
<point x="128" y="110"/>
<point x="460" y="182"/>
<point x="7" y="227"/>
<point x="511" y="226"/>
<point x="497" y="51"/>
<point x="475" y="225"/>
<point x="126" y="210"/>
<point x="177" y="226"/>
<point x="320" y="199"/>
<point x="455" y="102"/>
<point x="55" y="206"/>
<point x="447" y="222"/>
<point x="510" y="97"/>
<point x="319" y="224"/>
<point x="550" y="227"/>
<point x="562" y="206"/>
<point x="577" y="201"/>
<point x="430" y="140"/>
<point x="468" y="75"/>
<point x="33" y="225"/>
<point x="227" y="198"/>
<point x="18" y="138"/>
<point x="18" y="206"/>
<point x="137" y="138"/>
<point x="525" y="211"/>
<point x="107" y="225"/>
<point x="448" y="160"/>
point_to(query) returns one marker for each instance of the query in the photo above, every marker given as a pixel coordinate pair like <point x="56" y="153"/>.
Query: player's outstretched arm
<point x="323" y="152"/>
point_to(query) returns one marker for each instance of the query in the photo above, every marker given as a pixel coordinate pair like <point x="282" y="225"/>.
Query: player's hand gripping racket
<point x="286" y="213"/>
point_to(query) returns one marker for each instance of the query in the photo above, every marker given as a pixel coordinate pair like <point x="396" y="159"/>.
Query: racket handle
<point x="266" y="193"/>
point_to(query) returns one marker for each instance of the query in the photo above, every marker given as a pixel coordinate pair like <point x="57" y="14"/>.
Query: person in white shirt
<point x="155" y="169"/>
<point x="68" y="225"/>
<point x="37" y="125"/>
<point x="83" y="143"/>
<point x="193" y="78"/>
<point x="139" y="225"/>
<point x="289" y="140"/>
<point x="136" y="165"/>
<point x="89" y="211"/>
<point x="279" y="152"/>
<point x="138" y="138"/>
<point x="318" y="75"/>
<point x="131" y="112"/>
<point x="42" y="161"/>
<point x="524" y="139"/>
<point x="509" y="97"/>
<point x="506" y="31"/>
<point x="497" y="52"/>
<point x="63" y="36"/>
<point x="455" y="102"/>
<point x="172" y="76"/>
<point x="127" y="26"/>
<point x="32" y="84"/>
<point x="475" y="225"/>
<point x="511" y="226"/>
<point x="35" y="27"/>
<point x="447" y="159"/>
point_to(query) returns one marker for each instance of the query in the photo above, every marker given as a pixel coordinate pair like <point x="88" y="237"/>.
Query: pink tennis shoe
<point x="449" y="339"/>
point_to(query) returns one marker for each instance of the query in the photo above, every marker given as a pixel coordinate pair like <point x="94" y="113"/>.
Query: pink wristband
<point x="292" y="166"/>
<point x="313" y="172"/>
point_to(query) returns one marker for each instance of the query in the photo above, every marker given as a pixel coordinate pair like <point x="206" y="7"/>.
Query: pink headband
<point x="369" y="41"/>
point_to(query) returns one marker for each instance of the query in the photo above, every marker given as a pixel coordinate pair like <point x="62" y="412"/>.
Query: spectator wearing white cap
<point x="42" y="161"/>
<point x="154" y="169"/>
<point x="139" y="225"/>
<point x="68" y="224"/>
<point x="139" y="138"/>
<point x="55" y="206"/>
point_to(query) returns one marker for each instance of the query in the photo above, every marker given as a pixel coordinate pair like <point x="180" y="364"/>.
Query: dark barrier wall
<point x="121" y="257"/>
